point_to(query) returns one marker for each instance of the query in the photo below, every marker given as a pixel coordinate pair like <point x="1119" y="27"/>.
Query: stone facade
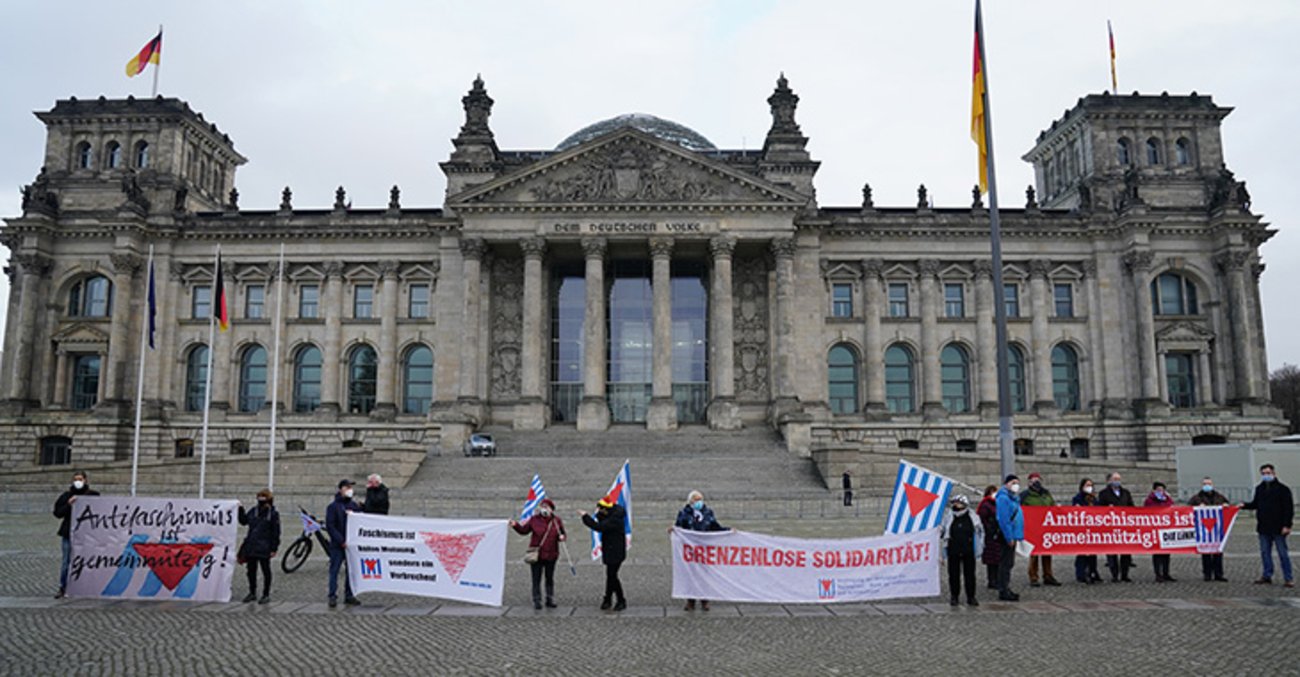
<point x="636" y="275"/>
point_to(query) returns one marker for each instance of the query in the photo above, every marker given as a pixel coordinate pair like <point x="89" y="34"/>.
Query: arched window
<point x="362" y="372"/>
<point x="306" y="379"/>
<point x="1065" y="378"/>
<point x="1016" y="377"/>
<point x="85" y="156"/>
<point x="1183" y="152"/>
<point x="1153" y="151"/>
<point x="141" y="154"/>
<point x="1173" y="294"/>
<point x="900" y="395"/>
<point x="196" y="377"/>
<point x="113" y="155"/>
<point x="417" y="380"/>
<point x="252" y="379"/>
<point x="842" y="379"/>
<point x="954" y="370"/>
<point x="1123" y="152"/>
<point x="91" y="297"/>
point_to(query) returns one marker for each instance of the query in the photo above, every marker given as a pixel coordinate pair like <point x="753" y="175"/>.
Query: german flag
<point x="219" y="298"/>
<point x="151" y="54"/>
<point x="977" y="133"/>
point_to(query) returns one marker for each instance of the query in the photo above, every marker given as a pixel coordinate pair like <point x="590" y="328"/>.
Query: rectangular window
<point x="254" y="301"/>
<point x="56" y="451"/>
<point x="1011" y="299"/>
<point x="308" y="301"/>
<point x="1064" y="297"/>
<point x="239" y="447"/>
<point x="201" y="302"/>
<point x="1180" y="379"/>
<point x="185" y="448"/>
<point x="85" y="381"/>
<point x="898" y="299"/>
<point x="363" y="301"/>
<point x="842" y="300"/>
<point x="1079" y="448"/>
<point x="418" y="307"/>
<point x="954" y="300"/>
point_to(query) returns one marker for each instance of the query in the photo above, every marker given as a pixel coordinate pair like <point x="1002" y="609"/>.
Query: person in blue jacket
<point x="336" y="523"/>
<point x="1011" y="521"/>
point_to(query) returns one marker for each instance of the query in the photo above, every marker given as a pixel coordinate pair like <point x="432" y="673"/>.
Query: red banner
<point x="1077" y="530"/>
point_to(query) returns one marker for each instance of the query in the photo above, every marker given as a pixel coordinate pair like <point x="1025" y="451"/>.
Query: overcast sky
<point x="367" y="94"/>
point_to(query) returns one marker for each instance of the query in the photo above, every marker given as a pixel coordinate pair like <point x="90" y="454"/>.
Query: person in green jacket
<point x="1039" y="495"/>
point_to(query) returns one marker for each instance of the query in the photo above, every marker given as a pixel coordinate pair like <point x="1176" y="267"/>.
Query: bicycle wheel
<point x="296" y="555"/>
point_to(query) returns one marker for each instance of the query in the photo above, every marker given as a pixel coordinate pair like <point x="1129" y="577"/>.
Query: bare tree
<point x="1284" y="384"/>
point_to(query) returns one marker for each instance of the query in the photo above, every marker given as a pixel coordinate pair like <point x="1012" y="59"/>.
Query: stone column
<point x="472" y="251"/>
<point x="1096" y="351"/>
<point x="1039" y="293"/>
<point x="60" y="400"/>
<point x="120" y="348"/>
<point x="1233" y="264"/>
<point x="332" y="300"/>
<point x="531" y="413"/>
<point x="1139" y="265"/>
<point x="931" y="375"/>
<point x="783" y="249"/>
<point x="1204" y="388"/>
<point x="389" y="363"/>
<point x="34" y="267"/>
<point x="986" y="343"/>
<point x="724" y="413"/>
<point x="873" y="303"/>
<point x="593" y="412"/>
<point x="662" y="414"/>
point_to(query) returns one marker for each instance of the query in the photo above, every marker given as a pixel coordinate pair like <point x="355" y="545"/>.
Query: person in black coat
<point x="696" y="516"/>
<point x="261" y="544"/>
<point x="336" y="523"/>
<point x="609" y="521"/>
<point x="1274" y="511"/>
<point x="847" y="481"/>
<point x="376" y="496"/>
<point x="63" y="510"/>
<point x="1115" y="494"/>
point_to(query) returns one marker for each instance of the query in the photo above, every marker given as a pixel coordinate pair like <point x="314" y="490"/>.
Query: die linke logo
<point x="371" y="569"/>
<point x="826" y="588"/>
<point x="452" y="550"/>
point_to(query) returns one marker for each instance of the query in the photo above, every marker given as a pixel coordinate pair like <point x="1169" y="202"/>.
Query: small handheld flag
<point x="620" y="493"/>
<point x="309" y="525"/>
<point x="536" y="492"/>
<point x="920" y="497"/>
<point x="150" y="54"/>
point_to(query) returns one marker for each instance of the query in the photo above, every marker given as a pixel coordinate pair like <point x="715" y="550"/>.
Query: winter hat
<point x="605" y="502"/>
<point x="1034" y="475"/>
<point x="546" y="502"/>
<point x="961" y="498"/>
<point x="1010" y="477"/>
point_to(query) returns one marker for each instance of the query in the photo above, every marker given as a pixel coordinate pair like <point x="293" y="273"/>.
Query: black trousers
<point x="1119" y="565"/>
<point x="961" y="565"/>
<point x="992" y="570"/>
<point x="1004" y="568"/>
<point x="1212" y="566"/>
<point x="545" y="566"/>
<point x="1161" y="565"/>
<point x="253" y="564"/>
<point x="848" y="497"/>
<point x="613" y="587"/>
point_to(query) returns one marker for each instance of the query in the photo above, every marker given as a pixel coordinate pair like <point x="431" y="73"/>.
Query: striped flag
<point x="977" y="103"/>
<point x="1211" y="528"/>
<point x="620" y="493"/>
<point x="1114" y="84"/>
<point x="536" y="492"/>
<point x="219" y="297"/>
<point x="150" y="54"/>
<point x="920" y="497"/>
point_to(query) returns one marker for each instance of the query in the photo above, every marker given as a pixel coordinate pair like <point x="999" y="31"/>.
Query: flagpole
<point x="145" y="321"/>
<point x="275" y="366"/>
<point x="999" y="306"/>
<point x="207" y="387"/>
<point x="158" y="66"/>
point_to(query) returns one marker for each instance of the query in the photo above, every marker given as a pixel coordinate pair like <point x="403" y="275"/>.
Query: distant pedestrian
<point x="987" y="511"/>
<point x="1211" y="563"/>
<point x="376" y="496"/>
<point x="63" y="510"/>
<point x="1159" y="498"/>
<point x="1116" y="495"/>
<point x="545" y="530"/>
<point x="336" y="523"/>
<point x="1085" y="566"/>
<point x="963" y="543"/>
<point x="847" y="480"/>
<point x="1274" y="511"/>
<point x="609" y="521"/>
<point x="696" y="516"/>
<point x="1012" y="523"/>
<point x="261" y="544"/>
<point x="1039" y="495"/>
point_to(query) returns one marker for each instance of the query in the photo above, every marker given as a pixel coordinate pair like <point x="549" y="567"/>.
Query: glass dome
<point x="665" y="129"/>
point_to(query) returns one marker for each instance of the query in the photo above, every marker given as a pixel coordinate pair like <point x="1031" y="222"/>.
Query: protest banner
<point x="1109" y="530"/>
<point x="740" y="566"/>
<point x="153" y="548"/>
<point x="463" y="560"/>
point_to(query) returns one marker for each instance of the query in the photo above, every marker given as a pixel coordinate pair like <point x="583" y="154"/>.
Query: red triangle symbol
<point x="531" y="494"/>
<point x="918" y="499"/>
<point x="171" y="561"/>
<point x="1209" y="523"/>
<point x="452" y="550"/>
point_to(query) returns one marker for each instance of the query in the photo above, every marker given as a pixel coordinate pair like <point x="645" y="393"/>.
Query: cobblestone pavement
<point x="1215" y="628"/>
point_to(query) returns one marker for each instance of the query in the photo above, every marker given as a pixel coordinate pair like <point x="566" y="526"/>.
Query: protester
<point x="546" y="530"/>
<point x="63" y="510"/>
<point x="1085" y="566"/>
<point x="1211" y="563"/>
<point x="336" y="523"/>
<point x="696" y="516"/>
<point x="1116" y="495"/>
<point x="609" y="521"/>
<point x="1274" y="511"/>
<point x="847" y="481"/>
<point x="1011" y="521"/>
<point x="963" y="542"/>
<point x="376" y="496"/>
<point x="261" y="543"/>
<point x="1039" y="495"/>
<point x="987" y="511"/>
<point x="1160" y="498"/>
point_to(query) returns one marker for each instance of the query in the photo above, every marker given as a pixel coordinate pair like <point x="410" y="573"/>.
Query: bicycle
<point x="296" y="555"/>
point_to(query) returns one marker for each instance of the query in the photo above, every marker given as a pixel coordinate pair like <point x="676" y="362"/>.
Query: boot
<point x="250" y="597"/>
<point x="690" y="605"/>
<point x="622" y="604"/>
<point x="604" y="604"/>
<point x="704" y="605"/>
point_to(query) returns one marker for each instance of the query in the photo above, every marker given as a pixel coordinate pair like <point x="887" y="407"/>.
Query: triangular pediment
<point x="627" y="168"/>
<point x="1184" y="331"/>
<point x="80" y="333"/>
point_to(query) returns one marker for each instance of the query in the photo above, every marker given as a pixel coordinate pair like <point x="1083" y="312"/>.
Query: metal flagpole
<point x="207" y="387"/>
<point x="275" y="366"/>
<point x="139" y="381"/>
<point x="158" y="66"/>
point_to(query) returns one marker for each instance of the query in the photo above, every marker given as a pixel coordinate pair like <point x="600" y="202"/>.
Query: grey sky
<point x="367" y="94"/>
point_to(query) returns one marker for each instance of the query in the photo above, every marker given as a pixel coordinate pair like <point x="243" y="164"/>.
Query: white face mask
<point x="544" y="512"/>
<point x="1015" y="487"/>
<point x="347" y="493"/>
<point x="78" y="484"/>
<point x="1087" y="489"/>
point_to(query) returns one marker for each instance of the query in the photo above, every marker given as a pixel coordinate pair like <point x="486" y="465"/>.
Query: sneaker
<point x="1289" y="584"/>
<point x="60" y="594"/>
<point x="690" y="605"/>
<point x="334" y="601"/>
<point x="250" y="597"/>
<point x="1264" y="580"/>
<point x="264" y="599"/>
<point x="622" y="604"/>
<point x="604" y="606"/>
<point x="352" y="601"/>
<point x="1052" y="582"/>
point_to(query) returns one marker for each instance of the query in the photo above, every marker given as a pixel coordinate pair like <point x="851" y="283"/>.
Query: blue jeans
<point x="67" y="558"/>
<point x="338" y="559"/>
<point x="1268" y="541"/>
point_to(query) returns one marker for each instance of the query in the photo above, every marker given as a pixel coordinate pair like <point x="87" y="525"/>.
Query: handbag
<point x="533" y="554"/>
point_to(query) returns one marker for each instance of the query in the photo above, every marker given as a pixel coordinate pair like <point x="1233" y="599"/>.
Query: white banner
<point x="739" y="566"/>
<point x="153" y="548"/>
<point x="463" y="560"/>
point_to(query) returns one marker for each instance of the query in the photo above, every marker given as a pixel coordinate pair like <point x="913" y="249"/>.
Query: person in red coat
<point x="1160" y="498"/>
<point x="546" y="530"/>
<point x="988" y="514"/>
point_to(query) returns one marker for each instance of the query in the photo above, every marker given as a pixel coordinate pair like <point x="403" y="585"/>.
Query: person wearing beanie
<point x="336" y="523"/>
<point x="545" y="530"/>
<point x="1011" y="521"/>
<point x="63" y="510"/>
<point x="696" y="516"/>
<point x="609" y="521"/>
<point x="261" y="543"/>
<point x="963" y="543"/>
<point x="1160" y="498"/>
<point x="1038" y="495"/>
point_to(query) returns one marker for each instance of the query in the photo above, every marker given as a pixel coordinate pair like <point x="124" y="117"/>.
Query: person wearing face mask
<point x="987" y="511"/>
<point x="1085" y="566"/>
<point x="63" y="510"/>
<point x="1211" y="563"/>
<point x="261" y="543"/>
<point x="336" y="523"/>
<point x="1274" y="512"/>
<point x="1039" y="495"/>
<point x="1011" y="521"/>
<point x="1159" y="498"/>
<point x="963" y="543"/>
<point x="610" y="521"/>
<point x="696" y="516"/>
<point x="1116" y="495"/>
<point x="545" y="530"/>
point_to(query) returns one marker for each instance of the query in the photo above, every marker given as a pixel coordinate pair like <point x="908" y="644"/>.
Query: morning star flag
<point x="1211" y="528"/>
<point x="309" y="524"/>
<point x="150" y="54"/>
<point x="536" y="492"/>
<point x="620" y="493"/>
<point x="920" y="497"/>
<point x="977" y="131"/>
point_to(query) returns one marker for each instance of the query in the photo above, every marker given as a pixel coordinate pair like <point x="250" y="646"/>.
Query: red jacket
<point x="546" y="542"/>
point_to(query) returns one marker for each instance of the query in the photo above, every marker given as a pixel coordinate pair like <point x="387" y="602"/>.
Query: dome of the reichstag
<point x="665" y="129"/>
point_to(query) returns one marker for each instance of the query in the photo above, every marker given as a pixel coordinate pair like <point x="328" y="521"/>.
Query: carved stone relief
<point x="750" y="325"/>
<point x="507" y="326"/>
